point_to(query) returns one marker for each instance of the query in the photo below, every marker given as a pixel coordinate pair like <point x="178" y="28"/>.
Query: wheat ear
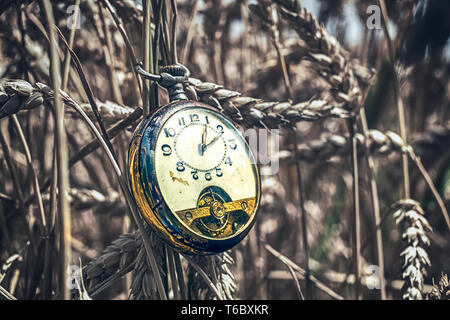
<point x="116" y="260"/>
<point x="218" y="269"/>
<point x="143" y="286"/>
<point x="329" y="59"/>
<point x="436" y="138"/>
<point x="440" y="291"/>
<point x="411" y="220"/>
<point x="17" y="95"/>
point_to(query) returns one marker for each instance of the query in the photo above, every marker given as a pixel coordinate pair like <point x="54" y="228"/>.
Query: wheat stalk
<point x="253" y="112"/>
<point x="8" y="263"/>
<point x="17" y="95"/>
<point x="329" y="59"/>
<point x="410" y="217"/>
<point x="440" y="291"/>
<point x="84" y="198"/>
<point x="379" y="143"/>
<point x="123" y="255"/>
<point x="111" y="112"/>
<point x="294" y="53"/>
<point x="62" y="152"/>
<point x="144" y="286"/>
<point x="268" y="16"/>
<point x="218" y="269"/>
<point x="386" y="143"/>
<point x="127" y="253"/>
<point x="116" y="260"/>
<point x="129" y="9"/>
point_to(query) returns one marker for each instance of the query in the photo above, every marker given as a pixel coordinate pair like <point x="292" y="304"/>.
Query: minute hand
<point x="212" y="141"/>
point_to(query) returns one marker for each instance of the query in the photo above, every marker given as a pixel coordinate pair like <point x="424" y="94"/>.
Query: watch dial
<point x="206" y="173"/>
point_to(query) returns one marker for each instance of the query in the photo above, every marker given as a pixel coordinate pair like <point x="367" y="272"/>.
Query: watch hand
<point x="202" y="146"/>
<point x="204" y="135"/>
<point x="212" y="141"/>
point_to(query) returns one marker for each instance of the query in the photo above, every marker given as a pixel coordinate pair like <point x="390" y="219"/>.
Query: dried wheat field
<point x="353" y="200"/>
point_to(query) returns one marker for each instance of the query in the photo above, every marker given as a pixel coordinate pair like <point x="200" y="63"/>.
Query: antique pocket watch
<point x="191" y="172"/>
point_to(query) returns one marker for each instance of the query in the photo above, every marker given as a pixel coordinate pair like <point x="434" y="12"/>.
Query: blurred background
<point x="375" y="73"/>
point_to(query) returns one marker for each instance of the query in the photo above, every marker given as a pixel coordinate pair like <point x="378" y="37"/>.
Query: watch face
<point x="198" y="176"/>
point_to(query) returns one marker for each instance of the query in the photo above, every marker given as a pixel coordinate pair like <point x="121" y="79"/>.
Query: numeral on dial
<point x="220" y="128"/>
<point x="166" y="149"/>
<point x="181" y="122"/>
<point x="194" y="174"/>
<point x="180" y="166"/>
<point x="170" y="132"/>
<point x="194" y="117"/>
<point x="233" y="145"/>
<point x="208" y="176"/>
<point x="228" y="161"/>
<point x="219" y="172"/>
